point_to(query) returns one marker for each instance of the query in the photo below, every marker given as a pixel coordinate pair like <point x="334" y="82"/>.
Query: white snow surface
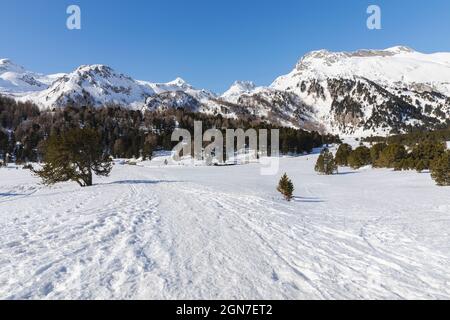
<point x="178" y="232"/>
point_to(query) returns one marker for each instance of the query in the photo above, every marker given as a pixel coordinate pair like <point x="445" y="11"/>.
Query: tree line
<point x="424" y="155"/>
<point x="124" y="133"/>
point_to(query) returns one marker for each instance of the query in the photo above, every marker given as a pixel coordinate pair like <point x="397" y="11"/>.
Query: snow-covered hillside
<point x="389" y="66"/>
<point x="153" y="231"/>
<point x="179" y="85"/>
<point x="373" y="91"/>
<point x="347" y="93"/>
<point x="92" y="85"/>
<point x="96" y="85"/>
<point x="14" y="79"/>
<point x="237" y="89"/>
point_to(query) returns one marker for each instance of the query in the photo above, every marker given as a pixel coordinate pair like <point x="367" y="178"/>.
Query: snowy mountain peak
<point x="99" y="70"/>
<point x="372" y="91"/>
<point x="15" y="79"/>
<point x="392" y="65"/>
<point x="93" y="85"/>
<point x="329" y="58"/>
<point x="6" y="65"/>
<point x="400" y="49"/>
<point x="244" y="85"/>
<point x="240" y="87"/>
<point x="179" y="82"/>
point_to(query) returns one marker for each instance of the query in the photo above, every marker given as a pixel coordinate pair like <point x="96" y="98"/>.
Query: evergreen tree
<point x="440" y="169"/>
<point x="375" y="152"/>
<point x="359" y="157"/>
<point x="391" y="155"/>
<point x="326" y="163"/>
<point x="286" y="187"/>
<point x="320" y="164"/>
<point x="342" y="154"/>
<point x="74" y="156"/>
<point x="4" y="141"/>
<point x="427" y="151"/>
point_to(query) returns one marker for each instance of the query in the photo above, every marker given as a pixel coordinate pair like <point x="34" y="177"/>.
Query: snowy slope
<point x="93" y="85"/>
<point x="180" y="85"/>
<point x="373" y="91"/>
<point x="14" y="79"/>
<point x="101" y="85"/>
<point x="157" y="232"/>
<point x="237" y="89"/>
<point x="397" y="64"/>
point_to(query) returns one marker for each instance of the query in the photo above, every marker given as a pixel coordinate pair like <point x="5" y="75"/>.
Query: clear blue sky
<point x="209" y="43"/>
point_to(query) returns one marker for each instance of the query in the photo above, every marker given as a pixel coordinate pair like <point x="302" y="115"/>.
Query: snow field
<point x="175" y="232"/>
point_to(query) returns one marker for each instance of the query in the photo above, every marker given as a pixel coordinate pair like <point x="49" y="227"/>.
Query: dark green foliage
<point x="4" y="142"/>
<point x="326" y="163"/>
<point x="359" y="157"/>
<point x="320" y="164"/>
<point x="375" y="152"/>
<point x="391" y="156"/>
<point x="411" y="139"/>
<point x="404" y="164"/>
<point x="426" y="152"/>
<point x="73" y="156"/>
<point x="420" y="166"/>
<point x="286" y="187"/>
<point x="342" y="154"/>
<point x="440" y="169"/>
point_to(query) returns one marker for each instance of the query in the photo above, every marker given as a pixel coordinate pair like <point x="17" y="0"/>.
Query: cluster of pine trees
<point x="425" y="155"/>
<point x="412" y="138"/>
<point x="123" y="133"/>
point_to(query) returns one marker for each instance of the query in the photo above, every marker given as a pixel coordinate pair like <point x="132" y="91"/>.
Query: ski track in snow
<point x="152" y="233"/>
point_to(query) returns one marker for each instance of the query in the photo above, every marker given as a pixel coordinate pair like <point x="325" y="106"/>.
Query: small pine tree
<point x="375" y="151"/>
<point x="286" y="187"/>
<point x="342" y="154"/>
<point x="391" y="156"/>
<point x="359" y="157"/>
<point x="325" y="163"/>
<point x="320" y="164"/>
<point x="440" y="169"/>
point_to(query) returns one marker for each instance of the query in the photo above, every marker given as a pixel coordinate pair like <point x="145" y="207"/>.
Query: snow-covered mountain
<point x="389" y="66"/>
<point x="95" y="85"/>
<point x="348" y="93"/>
<point x="180" y="85"/>
<point x="372" y="91"/>
<point x="237" y="89"/>
<point x="92" y="85"/>
<point x="14" y="79"/>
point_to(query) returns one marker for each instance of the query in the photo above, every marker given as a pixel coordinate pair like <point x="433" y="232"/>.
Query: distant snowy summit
<point x="15" y="79"/>
<point x="396" y="64"/>
<point x="348" y="93"/>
